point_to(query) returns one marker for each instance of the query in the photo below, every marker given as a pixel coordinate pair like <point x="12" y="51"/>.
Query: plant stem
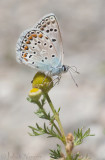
<point x="56" y="115"/>
<point x="39" y="104"/>
<point x="68" y="156"/>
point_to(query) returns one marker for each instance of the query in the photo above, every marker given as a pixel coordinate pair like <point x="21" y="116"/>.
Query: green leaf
<point x="45" y="130"/>
<point x="79" y="136"/>
<point x="56" y="153"/>
<point x="29" y="99"/>
<point x="59" y="109"/>
<point x="75" y="157"/>
<point x="78" y="157"/>
<point x="41" y="113"/>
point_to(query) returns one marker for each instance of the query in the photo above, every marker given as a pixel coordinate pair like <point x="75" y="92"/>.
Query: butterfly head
<point x="65" y="68"/>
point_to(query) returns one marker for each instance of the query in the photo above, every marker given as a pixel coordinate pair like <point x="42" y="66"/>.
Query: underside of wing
<point x="49" y="26"/>
<point x="35" y="49"/>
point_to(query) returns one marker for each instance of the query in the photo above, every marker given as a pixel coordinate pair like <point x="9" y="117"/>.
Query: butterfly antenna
<point x="74" y="69"/>
<point x="73" y="78"/>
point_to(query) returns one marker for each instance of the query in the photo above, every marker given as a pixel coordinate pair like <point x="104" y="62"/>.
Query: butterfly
<point x="40" y="47"/>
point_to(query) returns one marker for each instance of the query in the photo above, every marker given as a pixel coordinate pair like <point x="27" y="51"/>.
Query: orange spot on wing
<point x="25" y="47"/>
<point x="30" y="37"/>
<point x="25" y="55"/>
<point x="25" y="59"/>
<point x="28" y="42"/>
<point x="40" y="35"/>
<point x="34" y="35"/>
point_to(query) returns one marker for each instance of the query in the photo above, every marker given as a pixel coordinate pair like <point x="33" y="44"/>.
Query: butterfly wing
<point x="35" y="49"/>
<point x="49" y="26"/>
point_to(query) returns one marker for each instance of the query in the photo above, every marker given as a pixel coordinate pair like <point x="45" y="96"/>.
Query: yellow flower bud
<point x="43" y="82"/>
<point x="35" y="94"/>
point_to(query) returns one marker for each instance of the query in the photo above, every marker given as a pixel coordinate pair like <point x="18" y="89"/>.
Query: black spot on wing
<point x="53" y="55"/>
<point x="30" y="56"/>
<point x="53" y="40"/>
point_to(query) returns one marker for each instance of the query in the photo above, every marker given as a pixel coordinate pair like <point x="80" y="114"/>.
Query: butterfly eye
<point x="64" y="68"/>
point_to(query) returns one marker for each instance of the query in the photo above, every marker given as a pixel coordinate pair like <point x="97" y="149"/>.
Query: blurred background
<point x="82" y="24"/>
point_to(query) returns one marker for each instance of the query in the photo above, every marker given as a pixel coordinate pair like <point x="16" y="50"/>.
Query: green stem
<point x="68" y="156"/>
<point x="39" y="104"/>
<point x="56" y="115"/>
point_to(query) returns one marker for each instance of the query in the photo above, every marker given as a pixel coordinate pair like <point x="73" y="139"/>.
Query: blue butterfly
<point x="41" y="47"/>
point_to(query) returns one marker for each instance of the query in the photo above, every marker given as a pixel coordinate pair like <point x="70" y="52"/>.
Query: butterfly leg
<point x="58" y="80"/>
<point x="46" y="74"/>
<point x="44" y="79"/>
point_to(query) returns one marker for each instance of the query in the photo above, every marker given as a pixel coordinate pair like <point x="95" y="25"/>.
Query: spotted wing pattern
<point x="49" y="26"/>
<point x="35" y="49"/>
